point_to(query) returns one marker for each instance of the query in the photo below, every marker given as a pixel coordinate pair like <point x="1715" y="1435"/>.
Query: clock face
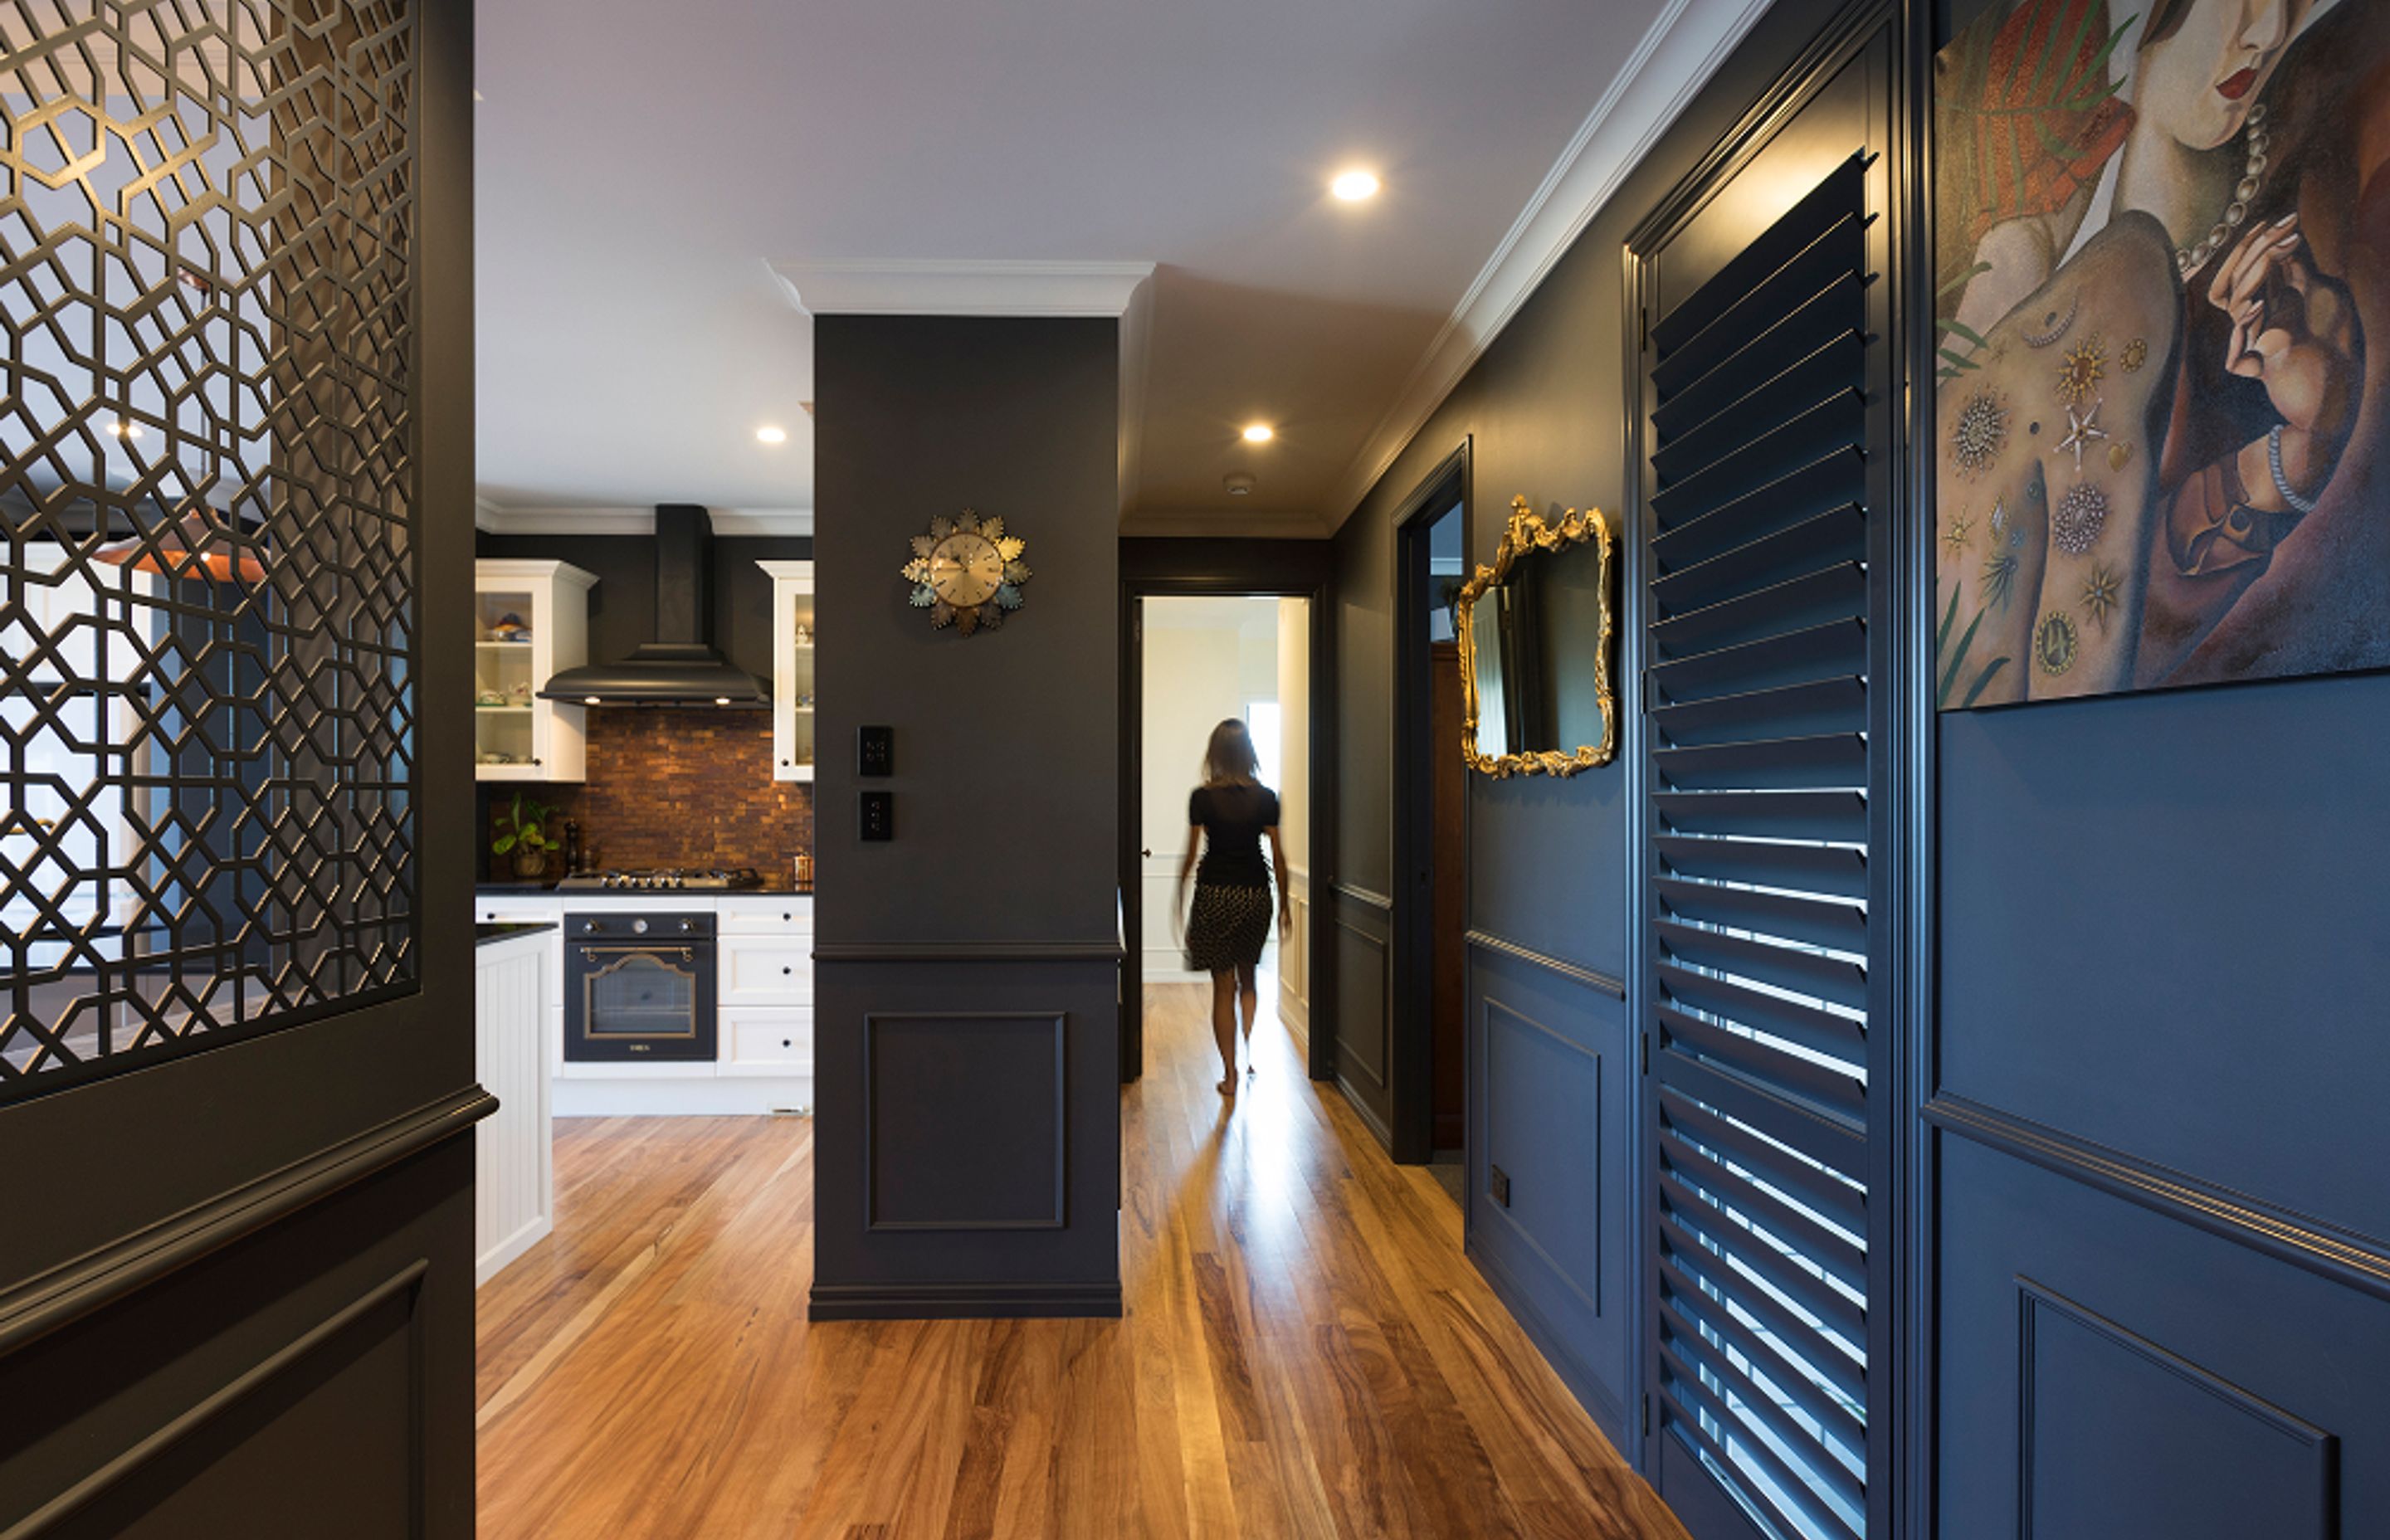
<point x="966" y="572"/>
<point x="965" y="568"/>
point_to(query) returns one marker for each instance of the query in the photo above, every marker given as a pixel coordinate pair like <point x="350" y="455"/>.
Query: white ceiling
<point x="639" y="165"/>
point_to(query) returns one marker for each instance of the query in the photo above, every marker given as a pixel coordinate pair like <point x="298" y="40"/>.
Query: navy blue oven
<point x="639" y="986"/>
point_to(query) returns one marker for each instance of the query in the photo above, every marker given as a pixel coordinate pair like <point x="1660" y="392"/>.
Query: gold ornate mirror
<point x="1534" y="632"/>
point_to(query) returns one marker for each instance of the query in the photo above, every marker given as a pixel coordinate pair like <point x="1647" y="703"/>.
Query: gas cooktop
<point x="664" y="878"/>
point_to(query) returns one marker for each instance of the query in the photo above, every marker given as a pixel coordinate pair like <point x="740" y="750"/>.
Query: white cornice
<point x="901" y="286"/>
<point x="914" y="286"/>
<point x="1675" y="59"/>
<point x="727" y="522"/>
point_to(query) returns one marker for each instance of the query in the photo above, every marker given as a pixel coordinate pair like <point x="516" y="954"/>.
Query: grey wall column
<point x="966" y="981"/>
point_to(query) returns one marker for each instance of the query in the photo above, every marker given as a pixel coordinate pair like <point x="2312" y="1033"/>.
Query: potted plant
<point x="523" y="833"/>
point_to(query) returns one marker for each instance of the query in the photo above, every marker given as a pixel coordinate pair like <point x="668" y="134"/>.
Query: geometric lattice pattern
<point x="208" y="477"/>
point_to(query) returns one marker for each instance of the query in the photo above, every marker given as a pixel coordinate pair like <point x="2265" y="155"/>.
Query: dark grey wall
<point x="273" y="1238"/>
<point x="967" y="978"/>
<point x="1551" y="1062"/>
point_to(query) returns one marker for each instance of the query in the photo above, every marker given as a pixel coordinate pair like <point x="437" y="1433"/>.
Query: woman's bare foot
<point x="1228" y="1087"/>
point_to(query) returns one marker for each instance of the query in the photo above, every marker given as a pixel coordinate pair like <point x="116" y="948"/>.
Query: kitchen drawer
<point x="765" y="917"/>
<point x="767" y="1042"/>
<point x="756" y="972"/>
<point x="513" y="908"/>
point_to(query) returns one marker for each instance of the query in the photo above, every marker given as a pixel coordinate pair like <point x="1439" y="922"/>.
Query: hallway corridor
<point x="1305" y="1351"/>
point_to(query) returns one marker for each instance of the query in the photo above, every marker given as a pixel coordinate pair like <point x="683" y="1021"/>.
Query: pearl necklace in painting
<point x="2189" y="261"/>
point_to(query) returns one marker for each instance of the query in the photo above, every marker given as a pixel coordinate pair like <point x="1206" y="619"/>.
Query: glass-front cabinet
<point x="531" y="619"/>
<point x="792" y="669"/>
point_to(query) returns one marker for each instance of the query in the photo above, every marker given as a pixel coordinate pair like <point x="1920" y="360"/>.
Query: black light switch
<point x="1500" y="1180"/>
<point x="875" y="751"/>
<point x="880" y="815"/>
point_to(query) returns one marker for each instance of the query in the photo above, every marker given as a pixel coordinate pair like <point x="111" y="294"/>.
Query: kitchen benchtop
<point x="483" y="935"/>
<point x="771" y="887"/>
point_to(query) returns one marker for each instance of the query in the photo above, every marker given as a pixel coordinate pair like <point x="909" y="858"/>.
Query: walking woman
<point x="1229" y="922"/>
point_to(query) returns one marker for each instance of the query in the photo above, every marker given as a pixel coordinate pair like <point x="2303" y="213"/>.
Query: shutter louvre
<point x="1758" y="662"/>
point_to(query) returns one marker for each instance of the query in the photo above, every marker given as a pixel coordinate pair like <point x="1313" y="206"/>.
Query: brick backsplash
<point x="686" y="789"/>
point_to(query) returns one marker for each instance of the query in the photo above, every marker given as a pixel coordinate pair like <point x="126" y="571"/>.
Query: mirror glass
<point x="1488" y="642"/>
<point x="1553" y="605"/>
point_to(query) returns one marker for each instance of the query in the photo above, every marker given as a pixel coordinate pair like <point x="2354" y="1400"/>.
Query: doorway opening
<point x="1201" y="658"/>
<point x="1429" y="1123"/>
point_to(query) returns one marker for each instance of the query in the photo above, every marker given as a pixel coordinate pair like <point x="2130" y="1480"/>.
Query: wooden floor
<point x="1305" y="1352"/>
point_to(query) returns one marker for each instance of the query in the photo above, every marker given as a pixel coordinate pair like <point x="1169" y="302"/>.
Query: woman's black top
<point x="1232" y="818"/>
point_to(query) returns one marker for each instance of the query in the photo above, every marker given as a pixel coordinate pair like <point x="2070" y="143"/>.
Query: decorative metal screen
<point x="207" y="486"/>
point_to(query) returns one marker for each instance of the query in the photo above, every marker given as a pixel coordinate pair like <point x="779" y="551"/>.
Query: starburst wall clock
<point x="966" y="572"/>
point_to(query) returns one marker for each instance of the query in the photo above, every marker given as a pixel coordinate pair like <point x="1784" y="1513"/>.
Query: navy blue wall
<point x="2162" y="925"/>
<point x="1553" y="1077"/>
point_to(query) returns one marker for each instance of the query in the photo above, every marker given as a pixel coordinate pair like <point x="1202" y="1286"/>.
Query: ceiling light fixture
<point x="771" y="435"/>
<point x="1260" y="432"/>
<point x="722" y="701"/>
<point x="1239" y="483"/>
<point x="1353" y="186"/>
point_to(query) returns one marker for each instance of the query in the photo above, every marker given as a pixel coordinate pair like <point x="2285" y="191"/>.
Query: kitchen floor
<point x="1307" y="1353"/>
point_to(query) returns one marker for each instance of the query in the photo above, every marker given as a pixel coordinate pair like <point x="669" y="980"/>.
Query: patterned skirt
<point x="1226" y="927"/>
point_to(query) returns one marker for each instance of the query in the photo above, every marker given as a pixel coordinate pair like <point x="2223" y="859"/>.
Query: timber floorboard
<point x="1306" y="1351"/>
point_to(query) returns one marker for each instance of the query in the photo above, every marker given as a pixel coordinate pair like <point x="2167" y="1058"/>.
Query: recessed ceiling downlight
<point x="1260" y="432"/>
<point x="769" y="434"/>
<point x="1353" y="187"/>
<point x="1239" y="483"/>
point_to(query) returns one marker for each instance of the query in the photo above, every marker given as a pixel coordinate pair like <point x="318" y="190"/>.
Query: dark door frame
<point x="1411" y="1072"/>
<point x="1320" y="858"/>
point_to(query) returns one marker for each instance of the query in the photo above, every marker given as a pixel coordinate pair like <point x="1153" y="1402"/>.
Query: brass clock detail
<point x="966" y="572"/>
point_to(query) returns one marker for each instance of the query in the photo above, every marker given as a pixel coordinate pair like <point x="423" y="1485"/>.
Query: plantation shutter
<point x="1757" y="655"/>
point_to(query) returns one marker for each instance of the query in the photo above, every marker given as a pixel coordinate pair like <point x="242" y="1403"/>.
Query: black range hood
<point x="680" y="667"/>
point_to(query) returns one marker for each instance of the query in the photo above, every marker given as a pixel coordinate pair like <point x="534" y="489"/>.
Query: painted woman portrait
<point x="2162" y="236"/>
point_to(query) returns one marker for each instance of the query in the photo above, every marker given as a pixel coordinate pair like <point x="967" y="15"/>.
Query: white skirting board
<point x="514" y="1175"/>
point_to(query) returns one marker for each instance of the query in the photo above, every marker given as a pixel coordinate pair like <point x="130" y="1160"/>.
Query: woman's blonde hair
<point x="1228" y="759"/>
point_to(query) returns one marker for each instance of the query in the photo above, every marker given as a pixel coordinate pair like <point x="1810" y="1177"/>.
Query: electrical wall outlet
<point x="878" y="815"/>
<point x="1498" y="1182"/>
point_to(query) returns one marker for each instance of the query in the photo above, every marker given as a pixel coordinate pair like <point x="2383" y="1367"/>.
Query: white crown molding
<point x="1136" y="368"/>
<point x="755" y="522"/>
<point x="742" y="523"/>
<point x="917" y="286"/>
<point x="1675" y="58"/>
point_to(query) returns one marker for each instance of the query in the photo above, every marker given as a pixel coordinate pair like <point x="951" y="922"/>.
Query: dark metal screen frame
<point x="315" y="453"/>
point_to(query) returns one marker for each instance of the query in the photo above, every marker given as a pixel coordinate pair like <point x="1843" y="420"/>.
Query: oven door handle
<point x="591" y="953"/>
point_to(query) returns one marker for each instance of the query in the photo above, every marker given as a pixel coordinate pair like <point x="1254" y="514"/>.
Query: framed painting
<point x="2163" y="404"/>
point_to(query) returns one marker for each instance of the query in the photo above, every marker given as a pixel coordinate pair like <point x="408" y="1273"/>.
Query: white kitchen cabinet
<point x="514" y="1175"/>
<point x="531" y="620"/>
<point x="763" y="1008"/>
<point x="792" y="669"/>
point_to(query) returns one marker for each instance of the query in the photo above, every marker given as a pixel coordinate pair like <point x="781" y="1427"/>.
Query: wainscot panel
<point x="969" y="1136"/>
<point x="992" y="1082"/>
<point x="2094" y="1385"/>
<point x="1363" y="1003"/>
<point x="1553" y="1077"/>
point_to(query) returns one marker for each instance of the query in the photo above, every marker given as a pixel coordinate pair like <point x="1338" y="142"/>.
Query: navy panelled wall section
<point x="2161" y="944"/>
<point x="1552" y="1065"/>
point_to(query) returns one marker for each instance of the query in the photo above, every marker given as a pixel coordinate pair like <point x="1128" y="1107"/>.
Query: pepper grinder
<point x="572" y="848"/>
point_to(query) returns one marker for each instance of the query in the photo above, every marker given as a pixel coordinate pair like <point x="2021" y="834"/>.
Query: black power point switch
<point x="878" y="815"/>
<point x="875" y="751"/>
<point x="1499" y="1181"/>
